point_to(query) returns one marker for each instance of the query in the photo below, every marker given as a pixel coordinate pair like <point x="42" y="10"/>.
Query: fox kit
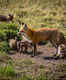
<point x="24" y="45"/>
<point x="44" y="34"/>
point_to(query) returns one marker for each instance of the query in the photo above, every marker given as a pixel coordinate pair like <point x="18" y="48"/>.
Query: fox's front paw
<point x="56" y="56"/>
<point x="33" y="55"/>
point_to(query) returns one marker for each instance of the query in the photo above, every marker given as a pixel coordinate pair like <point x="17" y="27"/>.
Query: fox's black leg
<point x="18" y="46"/>
<point x="35" y="50"/>
<point x="53" y="43"/>
<point x="21" y="49"/>
<point x="26" y="48"/>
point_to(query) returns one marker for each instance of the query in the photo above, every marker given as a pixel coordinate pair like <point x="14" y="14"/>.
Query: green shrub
<point x="11" y="34"/>
<point x="2" y="35"/>
<point x="3" y="26"/>
<point x="7" y="31"/>
<point x="11" y="31"/>
<point x="4" y="47"/>
<point x="11" y="26"/>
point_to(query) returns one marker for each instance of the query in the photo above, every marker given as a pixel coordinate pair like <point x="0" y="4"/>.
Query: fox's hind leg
<point x="58" y="50"/>
<point x="53" y="43"/>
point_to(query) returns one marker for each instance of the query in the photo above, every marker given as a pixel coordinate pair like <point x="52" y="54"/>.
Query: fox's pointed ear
<point x="25" y="26"/>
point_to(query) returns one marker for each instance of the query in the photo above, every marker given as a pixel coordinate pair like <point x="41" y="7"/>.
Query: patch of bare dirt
<point x="43" y="57"/>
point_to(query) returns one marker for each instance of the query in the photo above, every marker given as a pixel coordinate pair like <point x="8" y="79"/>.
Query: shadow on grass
<point x="54" y="57"/>
<point x="42" y="43"/>
<point x="12" y="52"/>
<point x="48" y="58"/>
<point x="31" y="53"/>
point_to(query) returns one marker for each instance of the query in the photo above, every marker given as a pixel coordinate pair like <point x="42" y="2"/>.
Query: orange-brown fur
<point x="44" y="34"/>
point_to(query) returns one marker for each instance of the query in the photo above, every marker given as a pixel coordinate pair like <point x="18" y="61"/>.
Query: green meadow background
<point x="36" y="13"/>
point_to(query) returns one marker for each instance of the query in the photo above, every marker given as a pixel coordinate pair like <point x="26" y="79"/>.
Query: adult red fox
<point x="44" y="34"/>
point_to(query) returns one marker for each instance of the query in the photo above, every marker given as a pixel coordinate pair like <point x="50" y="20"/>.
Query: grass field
<point x="36" y="13"/>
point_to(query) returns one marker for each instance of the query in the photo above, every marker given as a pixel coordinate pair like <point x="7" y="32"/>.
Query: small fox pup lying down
<point x="24" y="45"/>
<point x="44" y="34"/>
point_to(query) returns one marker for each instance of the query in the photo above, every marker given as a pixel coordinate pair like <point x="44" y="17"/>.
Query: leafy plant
<point x="7" y="31"/>
<point x="11" y="31"/>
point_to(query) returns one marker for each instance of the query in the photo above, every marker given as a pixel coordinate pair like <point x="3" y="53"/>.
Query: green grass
<point x="7" y="70"/>
<point x="7" y="31"/>
<point x="27" y="62"/>
<point x="36" y="13"/>
<point x="4" y="47"/>
<point x="4" y="58"/>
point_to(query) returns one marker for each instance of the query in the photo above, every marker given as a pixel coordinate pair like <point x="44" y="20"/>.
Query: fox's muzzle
<point x="21" y="32"/>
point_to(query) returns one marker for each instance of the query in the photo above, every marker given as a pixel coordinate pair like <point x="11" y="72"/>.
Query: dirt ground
<point x="43" y="57"/>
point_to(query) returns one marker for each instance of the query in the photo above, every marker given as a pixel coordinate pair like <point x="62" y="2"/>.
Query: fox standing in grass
<point x="44" y="34"/>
